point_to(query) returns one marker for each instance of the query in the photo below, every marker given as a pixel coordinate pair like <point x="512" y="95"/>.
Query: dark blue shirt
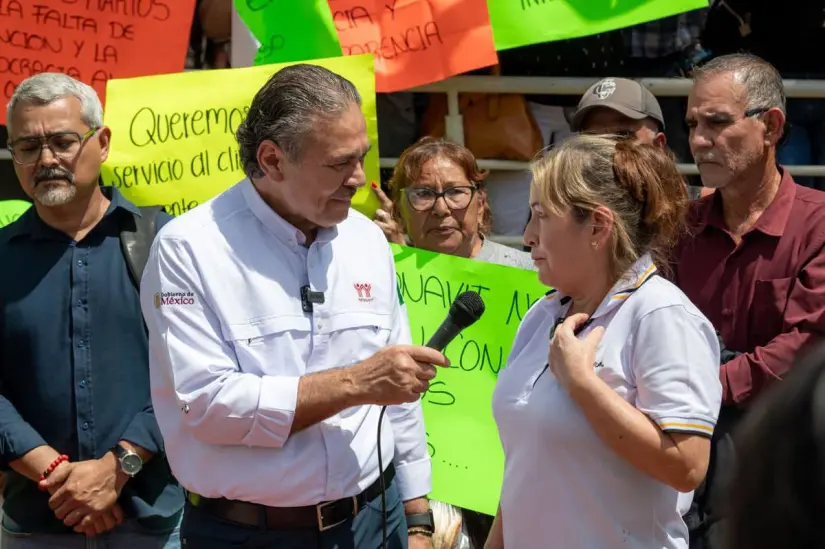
<point x="74" y="371"/>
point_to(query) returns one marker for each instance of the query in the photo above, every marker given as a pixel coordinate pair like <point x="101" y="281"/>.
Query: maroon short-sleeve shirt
<point x="765" y="296"/>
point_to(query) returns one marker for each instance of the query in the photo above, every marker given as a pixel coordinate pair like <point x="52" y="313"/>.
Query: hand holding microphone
<point x="401" y="373"/>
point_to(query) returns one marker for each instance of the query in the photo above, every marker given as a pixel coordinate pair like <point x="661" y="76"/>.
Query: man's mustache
<point x="52" y="174"/>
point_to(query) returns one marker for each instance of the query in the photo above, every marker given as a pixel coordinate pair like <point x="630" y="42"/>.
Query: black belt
<point x="321" y="517"/>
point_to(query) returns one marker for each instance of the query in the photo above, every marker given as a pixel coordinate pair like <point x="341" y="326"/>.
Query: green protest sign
<point x="523" y="22"/>
<point x="468" y="462"/>
<point x="11" y="210"/>
<point x="290" y="30"/>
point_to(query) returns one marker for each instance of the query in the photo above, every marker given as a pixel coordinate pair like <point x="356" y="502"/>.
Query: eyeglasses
<point x="64" y="145"/>
<point x="422" y="199"/>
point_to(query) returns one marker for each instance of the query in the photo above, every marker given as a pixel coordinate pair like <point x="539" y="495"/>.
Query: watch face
<point x="131" y="464"/>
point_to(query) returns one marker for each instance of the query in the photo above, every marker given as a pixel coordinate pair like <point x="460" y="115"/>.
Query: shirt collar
<point x="30" y="224"/>
<point x="281" y="228"/>
<point x="118" y="201"/>
<point x="773" y="220"/>
<point x="640" y="272"/>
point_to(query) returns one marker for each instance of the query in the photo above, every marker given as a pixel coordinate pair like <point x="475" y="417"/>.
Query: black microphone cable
<point x="383" y="486"/>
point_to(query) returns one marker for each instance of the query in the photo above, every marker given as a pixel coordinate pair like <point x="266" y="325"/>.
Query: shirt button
<point x="85" y="426"/>
<point x="727" y="312"/>
<point x="82" y="383"/>
<point x="79" y="302"/>
<point x="81" y="344"/>
<point x="79" y="263"/>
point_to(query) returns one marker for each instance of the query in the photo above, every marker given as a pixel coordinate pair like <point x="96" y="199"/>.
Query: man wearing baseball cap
<point x="622" y="106"/>
<point x="619" y="105"/>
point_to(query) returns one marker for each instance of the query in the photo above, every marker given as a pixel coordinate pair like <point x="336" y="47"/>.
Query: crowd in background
<point x="668" y="47"/>
<point x="499" y="203"/>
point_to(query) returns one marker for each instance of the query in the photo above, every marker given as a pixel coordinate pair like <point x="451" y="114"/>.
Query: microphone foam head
<point x="466" y="309"/>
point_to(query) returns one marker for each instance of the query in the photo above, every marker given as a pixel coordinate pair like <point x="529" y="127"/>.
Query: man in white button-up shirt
<point x="275" y="336"/>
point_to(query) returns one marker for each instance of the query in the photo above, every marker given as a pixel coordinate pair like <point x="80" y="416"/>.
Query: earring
<point x="595" y="245"/>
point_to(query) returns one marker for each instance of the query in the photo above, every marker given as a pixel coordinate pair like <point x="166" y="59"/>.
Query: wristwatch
<point x="424" y="521"/>
<point x="130" y="462"/>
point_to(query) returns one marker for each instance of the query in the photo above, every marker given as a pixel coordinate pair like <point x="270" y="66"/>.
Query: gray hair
<point x="287" y="108"/>
<point x="763" y="84"/>
<point x="48" y="87"/>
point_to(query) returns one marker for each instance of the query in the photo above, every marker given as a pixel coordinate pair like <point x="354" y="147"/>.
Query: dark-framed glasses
<point x="422" y="199"/>
<point x="64" y="145"/>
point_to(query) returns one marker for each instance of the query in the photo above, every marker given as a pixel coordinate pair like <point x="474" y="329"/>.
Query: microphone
<point x="465" y="311"/>
<point x="308" y="297"/>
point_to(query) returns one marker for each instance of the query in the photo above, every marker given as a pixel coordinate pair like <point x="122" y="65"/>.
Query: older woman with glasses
<point x="439" y="203"/>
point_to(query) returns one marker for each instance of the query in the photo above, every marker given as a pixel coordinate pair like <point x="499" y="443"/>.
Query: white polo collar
<point x="639" y="273"/>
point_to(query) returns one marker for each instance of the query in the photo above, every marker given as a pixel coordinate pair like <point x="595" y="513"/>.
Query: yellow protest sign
<point x="173" y="136"/>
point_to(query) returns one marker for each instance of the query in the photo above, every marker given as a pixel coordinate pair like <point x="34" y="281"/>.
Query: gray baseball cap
<point x="624" y="96"/>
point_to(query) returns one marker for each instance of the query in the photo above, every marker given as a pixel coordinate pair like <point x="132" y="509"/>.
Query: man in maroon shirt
<point x="754" y="261"/>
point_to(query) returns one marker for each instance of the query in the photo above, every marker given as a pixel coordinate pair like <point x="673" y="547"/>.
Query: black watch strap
<point x="421" y="520"/>
<point x="119" y="451"/>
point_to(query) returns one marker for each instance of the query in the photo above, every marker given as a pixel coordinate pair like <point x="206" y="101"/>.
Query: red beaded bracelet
<point x="60" y="459"/>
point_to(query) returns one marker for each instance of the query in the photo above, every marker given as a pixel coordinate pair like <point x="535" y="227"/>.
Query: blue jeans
<point x="127" y="536"/>
<point x="203" y="531"/>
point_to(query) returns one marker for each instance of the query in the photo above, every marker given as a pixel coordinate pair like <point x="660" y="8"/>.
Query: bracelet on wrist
<point x="50" y="469"/>
<point x="417" y="530"/>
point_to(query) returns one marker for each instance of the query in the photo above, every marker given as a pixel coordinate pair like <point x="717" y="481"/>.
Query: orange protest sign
<point x="416" y="42"/>
<point x="91" y="40"/>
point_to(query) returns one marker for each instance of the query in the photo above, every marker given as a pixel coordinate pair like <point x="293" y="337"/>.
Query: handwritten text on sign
<point x="91" y="40"/>
<point x="416" y="42"/>
<point x="290" y="30"/>
<point x="173" y="135"/>
<point x="461" y="433"/>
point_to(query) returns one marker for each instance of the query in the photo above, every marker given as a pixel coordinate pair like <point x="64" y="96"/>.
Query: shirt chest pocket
<point x="273" y="346"/>
<point x="767" y="312"/>
<point x="289" y="345"/>
<point x="355" y="337"/>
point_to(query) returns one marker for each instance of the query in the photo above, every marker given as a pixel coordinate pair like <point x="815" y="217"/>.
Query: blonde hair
<point x="639" y="183"/>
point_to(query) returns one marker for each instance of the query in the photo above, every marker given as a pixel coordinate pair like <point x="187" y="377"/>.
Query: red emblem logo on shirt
<point x="364" y="290"/>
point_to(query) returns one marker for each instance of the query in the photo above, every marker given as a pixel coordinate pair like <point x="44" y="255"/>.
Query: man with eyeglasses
<point x="753" y="260"/>
<point x="77" y="427"/>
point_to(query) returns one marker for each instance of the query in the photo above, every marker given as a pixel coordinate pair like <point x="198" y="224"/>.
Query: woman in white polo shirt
<point x="611" y="392"/>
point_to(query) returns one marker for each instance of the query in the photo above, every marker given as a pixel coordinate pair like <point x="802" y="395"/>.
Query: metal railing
<point x="660" y="87"/>
<point x="529" y="85"/>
